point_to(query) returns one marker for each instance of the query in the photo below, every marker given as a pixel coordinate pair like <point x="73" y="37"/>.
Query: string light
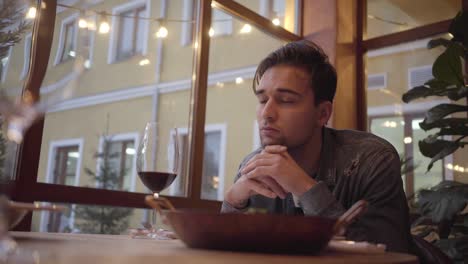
<point x="276" y="22"/>
<point x="144" y="62"/>
<point x="104" y="27"/>
<point x="162" y="32"/>
<point x="246" y="29"/>
<point x="31" y="14"/>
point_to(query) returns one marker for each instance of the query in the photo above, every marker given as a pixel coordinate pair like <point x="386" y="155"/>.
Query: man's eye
<point x="287" y="100"/>
<point x="262" y="100"/>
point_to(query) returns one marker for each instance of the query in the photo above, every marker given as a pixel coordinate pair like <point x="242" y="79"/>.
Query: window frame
<point x="53" y="146"/>
<point x="26" y="54"/>
<point x="115" y="27"/>
<point x="62" y="38"/>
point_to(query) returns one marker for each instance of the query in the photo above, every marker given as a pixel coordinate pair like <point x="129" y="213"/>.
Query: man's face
<point x="286" y="112"/>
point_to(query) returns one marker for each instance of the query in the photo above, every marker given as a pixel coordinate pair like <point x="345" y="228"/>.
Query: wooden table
<point x="54" y="248"/>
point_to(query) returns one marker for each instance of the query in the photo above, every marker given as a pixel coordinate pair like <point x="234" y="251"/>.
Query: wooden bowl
<point x="252" y="232"/>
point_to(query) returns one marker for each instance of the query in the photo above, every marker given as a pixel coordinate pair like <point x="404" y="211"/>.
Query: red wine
<point x="156" y="181"/>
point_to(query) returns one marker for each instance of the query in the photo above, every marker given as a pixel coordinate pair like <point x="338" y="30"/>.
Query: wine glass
<point x="158" y="163"/>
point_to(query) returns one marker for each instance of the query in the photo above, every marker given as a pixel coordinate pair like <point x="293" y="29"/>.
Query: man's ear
<point x="325" y="109"/>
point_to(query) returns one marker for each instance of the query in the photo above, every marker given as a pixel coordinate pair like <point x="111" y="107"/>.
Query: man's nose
<point x="269" y="111"/>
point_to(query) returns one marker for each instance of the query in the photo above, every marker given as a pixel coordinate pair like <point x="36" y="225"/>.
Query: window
<point x="213" y="163"/>
<point x="221" y="23"/>
<point x="417" y="76"/>
<point x="376" y="81"/>
<point x="27" y="55"/>
<point x="116" y="165"/>
<point x="131" y="30"/>
<point x="64" y="161"/>
<point x="67" y="41"/>
<point x="87" y="41"/>
<point x="274" y="9"/>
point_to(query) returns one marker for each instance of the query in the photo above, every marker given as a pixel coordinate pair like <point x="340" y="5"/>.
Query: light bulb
<point x="104" y="27"/>
<point x="162" y="32"/>
<point x="31" y="13"/>
<point x="276" y="22"/>
<point x="246" y="29"/>
<point x="82" y="23"/>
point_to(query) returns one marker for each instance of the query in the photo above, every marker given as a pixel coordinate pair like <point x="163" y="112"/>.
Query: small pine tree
<point x="102" y="219"/>
<point x="12" y="24"/>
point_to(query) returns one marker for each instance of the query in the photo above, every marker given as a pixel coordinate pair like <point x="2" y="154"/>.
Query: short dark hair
<point x="309" y="57"/>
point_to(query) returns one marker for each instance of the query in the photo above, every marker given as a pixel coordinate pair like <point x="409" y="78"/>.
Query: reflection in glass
<point x="391" y="72"/>
<point x="283" y="13"/>
<point x="388" y="16"/>
<point x="129" y="74"/>
<point x="230" y="114"/>
<point x="90" y="219"/>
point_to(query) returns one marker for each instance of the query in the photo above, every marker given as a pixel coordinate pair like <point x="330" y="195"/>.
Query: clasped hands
<point x="272" y="173"/>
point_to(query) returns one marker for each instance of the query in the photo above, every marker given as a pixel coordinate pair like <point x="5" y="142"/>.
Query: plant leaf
<point x="416" y="92"/>
<point x="437" y="149"/>
<point x="446" y="122"/>
<point x="458" y="94"/>
<point x="443" y="201"/>
<point x="433" y="43"/>
<point x="439" y="111"/>
<point x="458" y="27"/>
<point x="448" y="66"/>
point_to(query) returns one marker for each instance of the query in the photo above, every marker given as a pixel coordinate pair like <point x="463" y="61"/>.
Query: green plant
<point x="449" y="81"/>
<point x="102" y="219"/>
<point x="443" y="208"/>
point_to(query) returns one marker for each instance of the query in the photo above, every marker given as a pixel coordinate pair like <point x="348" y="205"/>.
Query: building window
<point x="273" y="9"/>
<point x="27" y="55"/>
<point x="418" y="76"/>
<point x="117" y="157"/>
<point x="213" y="163"/>
<point x="124" y="151"/>
<point x="87" y="41"/>
<point x="130" y="35"/>
<point x="221" y="23"/>
<point x="64" y="166"/>
<point x="377" y="81"/>
<point x="130" y="30"/>
<point x="67" y="41"/>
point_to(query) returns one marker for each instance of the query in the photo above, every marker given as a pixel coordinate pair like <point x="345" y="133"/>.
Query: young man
<point x="306" y="168"/>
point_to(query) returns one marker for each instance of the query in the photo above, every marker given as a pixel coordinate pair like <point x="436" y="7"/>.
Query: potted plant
<point x="445" y="205"/>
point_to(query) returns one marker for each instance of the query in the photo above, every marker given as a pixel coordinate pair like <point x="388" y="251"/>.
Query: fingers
<point x="259" y="188"/>
<point x="274" y="186"/>
<point x="256" y="162"/>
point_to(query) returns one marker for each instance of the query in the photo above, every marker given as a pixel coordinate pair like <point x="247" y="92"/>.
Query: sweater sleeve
<point x="319" y="201"/>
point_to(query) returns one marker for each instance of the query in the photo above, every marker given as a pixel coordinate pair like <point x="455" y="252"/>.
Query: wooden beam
<point x="198" y="101"/>
<point x="30" y="149"/>
<point x="407" y="35"/>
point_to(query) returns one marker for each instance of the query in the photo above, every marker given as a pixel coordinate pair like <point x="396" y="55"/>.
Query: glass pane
<point x="421" y="178"/>
<point x="100" y="102"/>
<point x="18" y="17"/>
<point x="391" y="72"/>
<point x="389" y="16"/>
<point x="392" y="129"/>
<point x="230" y="115"/>
<point x="283" y="13"/>
<point x="92" y="219"/>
